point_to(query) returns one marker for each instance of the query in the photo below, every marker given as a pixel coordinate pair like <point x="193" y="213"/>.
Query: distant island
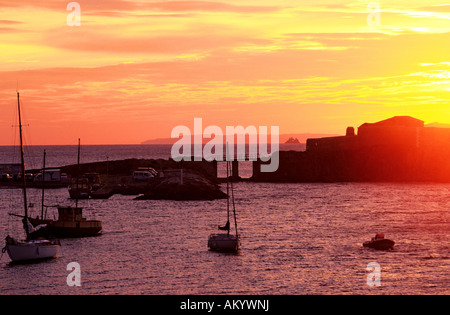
<point x="292" y="140"/>
<point x="283" y="138"/>
<point x="438" y="125"/>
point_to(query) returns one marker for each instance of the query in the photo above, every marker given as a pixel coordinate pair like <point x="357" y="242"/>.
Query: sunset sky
<point x="134" y="70"/>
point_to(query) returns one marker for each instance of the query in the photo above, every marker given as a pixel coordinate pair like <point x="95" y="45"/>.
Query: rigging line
<point x="30" y="150"/>
<point x="228" y="195"/>
<point x="234" y="208"/>
<point x="43" y="186"/>
<point x="14" y="140"/>
<point x="24" y="189"/>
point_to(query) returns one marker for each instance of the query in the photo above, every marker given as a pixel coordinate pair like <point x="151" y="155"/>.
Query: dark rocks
<point x="187" y="186"/>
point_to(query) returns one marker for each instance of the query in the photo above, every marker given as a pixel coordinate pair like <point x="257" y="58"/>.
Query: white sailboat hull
<point x="33" y="250"/>
<point x="224" y="242"/>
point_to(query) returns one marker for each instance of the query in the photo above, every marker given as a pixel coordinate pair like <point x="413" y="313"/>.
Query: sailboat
<point x="25" y="250"/>
<point x="79" y="188"/>
<point x="226" y="242"/>
<point x="70" y="223"/>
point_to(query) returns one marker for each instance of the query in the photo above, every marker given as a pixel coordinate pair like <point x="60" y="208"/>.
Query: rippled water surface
<point x="296" y="239"/>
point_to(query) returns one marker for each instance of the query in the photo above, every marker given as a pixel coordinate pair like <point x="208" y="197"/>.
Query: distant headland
<point x="283" y="138"/>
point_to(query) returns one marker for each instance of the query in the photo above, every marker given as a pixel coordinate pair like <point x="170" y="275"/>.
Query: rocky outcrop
<point x="187" y="186"/>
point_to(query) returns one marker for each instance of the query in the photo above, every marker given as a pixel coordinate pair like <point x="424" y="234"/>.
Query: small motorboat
<point x="379" y="242"/>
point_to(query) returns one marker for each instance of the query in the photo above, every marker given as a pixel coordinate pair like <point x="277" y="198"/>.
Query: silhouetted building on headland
<point x="400" y="148"/>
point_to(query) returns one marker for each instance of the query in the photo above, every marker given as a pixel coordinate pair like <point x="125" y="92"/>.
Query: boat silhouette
<point x="379" y="242"/>
<point x="226" y="242"/>
<point x="28" y="249"/>
<point x="70" y="222"/>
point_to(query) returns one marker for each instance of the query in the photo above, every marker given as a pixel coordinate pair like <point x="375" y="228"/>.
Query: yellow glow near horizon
<point x="313" y="66"/>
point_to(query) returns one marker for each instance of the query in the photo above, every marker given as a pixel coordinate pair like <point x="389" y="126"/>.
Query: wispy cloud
<point x="290" y="63"/>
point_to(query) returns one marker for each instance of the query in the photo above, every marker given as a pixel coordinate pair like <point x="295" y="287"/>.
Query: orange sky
<point x="134" y="70"/>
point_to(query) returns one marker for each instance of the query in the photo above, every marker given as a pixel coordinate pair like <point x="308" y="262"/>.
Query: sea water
<point x="296" y="239"/>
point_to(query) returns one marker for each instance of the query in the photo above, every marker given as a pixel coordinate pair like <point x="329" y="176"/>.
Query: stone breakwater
<point x="182" y="185"/>
<point x="175" y="181"/>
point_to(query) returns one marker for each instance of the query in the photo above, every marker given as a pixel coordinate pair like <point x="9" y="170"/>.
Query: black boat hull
<point x="383" y="244"/>
<point x="66" y="229"/>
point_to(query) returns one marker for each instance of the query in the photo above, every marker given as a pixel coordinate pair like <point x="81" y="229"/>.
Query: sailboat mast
<point x="234" y="208"/>
<point x="43" y="187"/>
<point x="24" y="184"/>
<point x="228" y="201"/>
<point x="78" y="176"/>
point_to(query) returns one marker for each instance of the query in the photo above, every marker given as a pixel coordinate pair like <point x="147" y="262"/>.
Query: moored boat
<point x="226" y="242"/>
<point x="379" y="242"/>
<point x="20" y="251"/>
<point x="70" y="223"/>
<point x="28" y="249"/>
<point x="80" y="189"/>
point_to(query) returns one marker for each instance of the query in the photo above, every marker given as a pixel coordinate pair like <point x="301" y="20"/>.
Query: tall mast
<point x="43" y="187"/>
<point x="228" y="202"/>
<point x="234" y="208"/>
<point x="78" y="175"/>
<point x="24" y="184"/>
